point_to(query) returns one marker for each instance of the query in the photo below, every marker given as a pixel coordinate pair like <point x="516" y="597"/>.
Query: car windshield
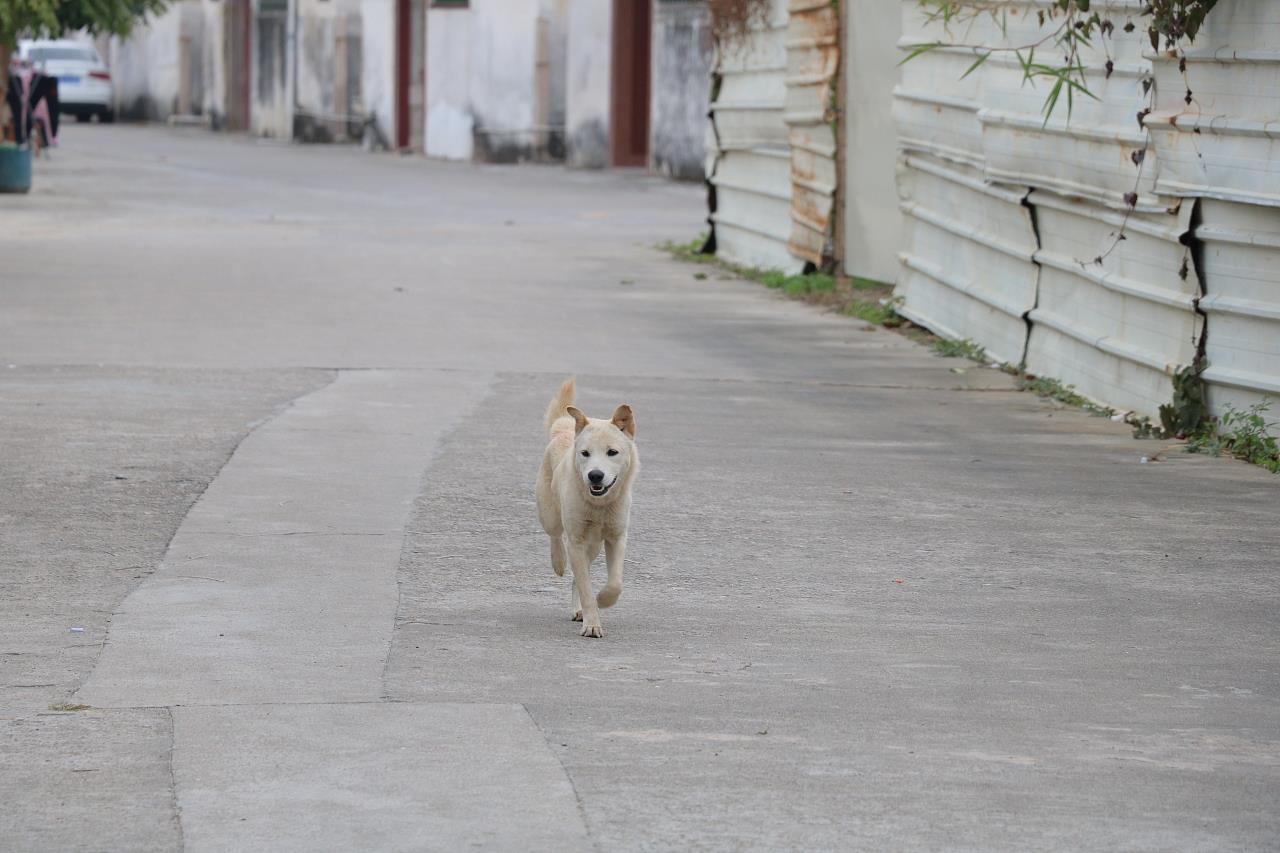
<point x="79" y="54"/>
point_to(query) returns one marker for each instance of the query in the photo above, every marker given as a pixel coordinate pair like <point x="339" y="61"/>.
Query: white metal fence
<point x="1007" y="213"/>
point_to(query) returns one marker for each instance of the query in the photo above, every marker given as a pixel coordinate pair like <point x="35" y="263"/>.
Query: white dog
<point x="584" y="498"/>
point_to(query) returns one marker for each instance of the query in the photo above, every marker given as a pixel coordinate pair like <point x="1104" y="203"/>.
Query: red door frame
<point x="629" y="96"/>
<point x="404" y="42"/>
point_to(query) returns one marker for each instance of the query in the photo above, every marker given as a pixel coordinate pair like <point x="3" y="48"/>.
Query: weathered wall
<point x="483" y="81"/>
<point x="378" y="65"/>
<point x="146" y="68"/>
<point x="681" y="88"/>
<point x="270" y="112"/>
<point x="871" y="221"/>
<point x="328" y="63"/>
<point x="178" y="63"/>
<point x="588" y="93"/>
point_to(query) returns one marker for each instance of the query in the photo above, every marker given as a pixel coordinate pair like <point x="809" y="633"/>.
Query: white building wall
<point x="482" y="98"/>
<point x="872" y="222"/>
<point x="378" y="64"/>
<point x="589" y="81"/>
<point x="682" y="57"/>
<point x="145" y="66"/>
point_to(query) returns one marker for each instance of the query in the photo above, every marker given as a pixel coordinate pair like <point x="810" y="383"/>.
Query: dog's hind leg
<point x="575" y="605"/>
<point x="615" y="551"/>
<point x="557" y="555"/>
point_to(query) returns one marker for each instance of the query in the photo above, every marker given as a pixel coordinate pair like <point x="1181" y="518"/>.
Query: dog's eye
<point x="586" y="453"/>
<point x="612" y="452"/>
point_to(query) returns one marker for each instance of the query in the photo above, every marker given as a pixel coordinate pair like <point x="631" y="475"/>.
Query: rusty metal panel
<point x="813" y="58"/>
<point x="750" y="166"/>
<point x="1240" y="263"/>
<point x="967" y="269"/>
<point x="1120" y="329"/>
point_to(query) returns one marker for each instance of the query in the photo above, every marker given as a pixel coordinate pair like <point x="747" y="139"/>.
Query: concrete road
<point x="272" y="576"/>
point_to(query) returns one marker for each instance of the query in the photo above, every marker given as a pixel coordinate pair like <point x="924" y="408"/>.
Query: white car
<point x="84" y="83"/>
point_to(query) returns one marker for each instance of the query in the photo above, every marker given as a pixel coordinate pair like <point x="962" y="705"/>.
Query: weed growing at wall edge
<point x="1242" y="434"/>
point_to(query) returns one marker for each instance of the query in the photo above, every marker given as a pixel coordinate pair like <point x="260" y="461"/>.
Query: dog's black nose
<point x="596" y="476"/>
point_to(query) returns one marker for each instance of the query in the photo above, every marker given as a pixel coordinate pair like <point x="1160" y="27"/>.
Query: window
<point x="63" y="54"/>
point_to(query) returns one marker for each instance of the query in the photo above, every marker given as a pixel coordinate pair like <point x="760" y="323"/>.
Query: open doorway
<point x="629" y="110"/>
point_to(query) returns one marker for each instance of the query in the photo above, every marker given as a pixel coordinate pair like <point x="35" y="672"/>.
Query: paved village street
<point x="271" y="575"/>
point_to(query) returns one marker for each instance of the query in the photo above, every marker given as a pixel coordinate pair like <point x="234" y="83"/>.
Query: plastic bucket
<point x="15" y="169"/>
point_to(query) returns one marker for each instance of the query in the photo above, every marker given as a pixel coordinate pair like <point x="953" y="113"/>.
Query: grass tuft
<point x="961" y="349"/>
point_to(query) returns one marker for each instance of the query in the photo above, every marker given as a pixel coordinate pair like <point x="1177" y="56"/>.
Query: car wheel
<point x="81" y="118"/>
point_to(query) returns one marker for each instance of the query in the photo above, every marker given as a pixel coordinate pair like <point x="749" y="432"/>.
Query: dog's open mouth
<point x="599" y="490"/>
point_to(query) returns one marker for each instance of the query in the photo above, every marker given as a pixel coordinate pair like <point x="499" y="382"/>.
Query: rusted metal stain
<point x="813" y="61"/>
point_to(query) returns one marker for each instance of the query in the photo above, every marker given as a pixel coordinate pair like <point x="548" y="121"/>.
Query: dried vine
<point x="732" y="20"/>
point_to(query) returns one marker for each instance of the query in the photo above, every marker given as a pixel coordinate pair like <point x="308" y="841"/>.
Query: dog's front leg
<point x="615" y="551"/>
<point x="579" y="559"/>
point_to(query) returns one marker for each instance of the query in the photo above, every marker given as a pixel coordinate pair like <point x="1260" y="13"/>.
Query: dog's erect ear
<point x="579" y="419"/>
<point x="625" y="420"/>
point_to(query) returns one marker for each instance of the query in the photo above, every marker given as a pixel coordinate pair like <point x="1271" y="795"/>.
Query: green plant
<point x="690" y="251"/>
<point x="960" y="349"/>
<point x="1045" y="386"/>
<point x="792" y="285"/>
<point x="879" y="312"/>
<point x="1242" y="434"/>
<point x="1189" y="411"/>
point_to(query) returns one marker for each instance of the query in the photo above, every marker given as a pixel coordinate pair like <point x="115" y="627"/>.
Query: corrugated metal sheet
<point x="1240" y="262"/>
<point x="1120" y="329"/>
<point x="1225" y="143"/>
<point x="967" y="269"/>
<point x="751" y="167"/>
<point x="935" y="106"/>
<point x="813" y="58"/>
<point x="1087" y="153"/>
<point x="1009" y="260"/>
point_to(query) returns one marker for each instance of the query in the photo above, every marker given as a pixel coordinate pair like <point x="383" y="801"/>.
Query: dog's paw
<point x="595" y="630"/>
<point x="576" y="617"/>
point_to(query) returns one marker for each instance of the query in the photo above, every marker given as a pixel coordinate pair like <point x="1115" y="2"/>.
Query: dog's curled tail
<point x="608" y="594"/>
<point x="559" y="407"/>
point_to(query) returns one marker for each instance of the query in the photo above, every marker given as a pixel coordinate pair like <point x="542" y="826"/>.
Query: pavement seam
<point x="253" y="427"/>
<point x="573" y="786"/>
<point x="493" y="380"/>
<point x="173" y="779"/>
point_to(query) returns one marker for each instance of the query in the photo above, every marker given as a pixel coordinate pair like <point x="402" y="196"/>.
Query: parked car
<point x="84" y="83"/>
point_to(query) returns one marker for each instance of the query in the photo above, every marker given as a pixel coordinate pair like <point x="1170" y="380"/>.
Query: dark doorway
<point x="629" y="113"/>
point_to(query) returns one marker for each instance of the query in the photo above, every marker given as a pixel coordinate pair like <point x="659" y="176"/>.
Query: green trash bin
<point x="15" y="168"/>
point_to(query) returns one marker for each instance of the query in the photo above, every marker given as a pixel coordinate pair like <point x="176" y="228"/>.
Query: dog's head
<point x="604" y="452"/>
